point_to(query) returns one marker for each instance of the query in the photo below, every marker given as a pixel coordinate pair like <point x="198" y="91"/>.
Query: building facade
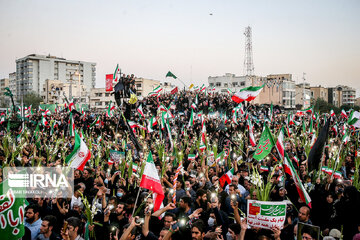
<point x="229" y="81"/>
<point x="319" y="92"/>
<point x="302" y="95"/>
<point x="144" y="86"/>
<point x="279" y="89"/>
<point x="335" y="96"/>
<point x="348" y="95"/>
<point x="33" y="70"/>
<point x="4" y="100"/>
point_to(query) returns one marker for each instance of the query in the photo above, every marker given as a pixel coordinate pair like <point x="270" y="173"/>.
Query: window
<point x="138" y="85"/>
<point x="218" y="84"/>
<point x="107" y="94"/>
<point x="242" y="84"/>
<point x="211" y="84"/>
<point x="234" y="84"/>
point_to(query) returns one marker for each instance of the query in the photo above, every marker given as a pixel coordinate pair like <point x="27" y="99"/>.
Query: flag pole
<point x="137" y="197"/>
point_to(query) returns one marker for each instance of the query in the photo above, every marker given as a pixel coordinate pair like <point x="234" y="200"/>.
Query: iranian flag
<point x="191" y="157"/>
<point x="71" y="126"/>
<point x="296" y="159"/>
<point x="226" y="178"/>
<point x="335" y="129"/>
<point x="266" y="143"/>
<point x="346" y="138"/>
<point x="202" y="88"/>
<point x="202" y="146"/>
<point x="158" y="89"/>
<point x="2" y="119"/>
<point x="71" y="105"/>
<point x="337" y="174"/>
<point x="150" y="180"/>
<point x="229" y="91"/>
<point x="247" y="94"/>
<point x="80" y="155"/>
<point x="110" y="110"/>
<point x="343" y="113"/>
<point x="289" y="169"/>
<point x="332" y="113"/>
<point x="191" y="121"/>
<point x="46" y="112"/>
<point x="264" y="168"/>
<point x="44" y="121"/>
<point x="153" y="94"/>
<point x="280" y="143"/>
<point x="140" y="111"/>
<point x="135" y="125"/>
<point x="354" y="119"/>
<point x="175" y="90"/>
<point x="152" y="123"/>
<point x="193" y="106"/>
<point x="251" y="134"/>
<point x="116" y="72"/>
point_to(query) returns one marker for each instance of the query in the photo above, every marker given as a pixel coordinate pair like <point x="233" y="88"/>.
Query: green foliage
<point x="32" y="99"/>
<point x="323" y="106"/>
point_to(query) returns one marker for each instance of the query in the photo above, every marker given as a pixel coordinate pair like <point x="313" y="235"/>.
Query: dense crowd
<point x="197" y="203"/>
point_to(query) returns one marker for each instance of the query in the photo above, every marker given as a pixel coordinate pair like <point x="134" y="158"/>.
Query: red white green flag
<point x="226" y="178"/>
<point x="251" y="133"/>
<point x="343" y="113"/>
<point x="280" y="143"/>
<point x="191" y="157"/>
<point x="247" y="94"/>
<point x="266" y="143"/>
<point x="191" y="121"/>
<point x="140" y="111"/>
<point x="71" y="126"/>
<point x="44" y="121"/>
<point x="152" y="123"/>
<point x="289" y="169"/>
<point x="80" y="155"/>
<point x="71" y="105"/>
<point x="151" y="180"/>
<point x="116" y="73"/>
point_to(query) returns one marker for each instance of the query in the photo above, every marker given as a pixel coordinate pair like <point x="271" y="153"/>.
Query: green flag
<point x="170" y="74"/>
<point x="12" y="213"/>
<point x="266" y="143"/>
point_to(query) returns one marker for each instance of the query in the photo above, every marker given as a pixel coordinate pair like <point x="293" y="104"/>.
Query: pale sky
<point x="149" y="38"/>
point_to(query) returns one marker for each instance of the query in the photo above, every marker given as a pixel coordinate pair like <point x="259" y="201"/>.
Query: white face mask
<point x="211" y="222"/>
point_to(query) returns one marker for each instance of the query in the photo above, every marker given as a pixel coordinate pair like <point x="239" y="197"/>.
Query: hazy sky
<point x="149" y="38"/>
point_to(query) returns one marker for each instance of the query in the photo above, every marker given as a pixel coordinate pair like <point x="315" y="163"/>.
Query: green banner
<point x="12" y="213"/>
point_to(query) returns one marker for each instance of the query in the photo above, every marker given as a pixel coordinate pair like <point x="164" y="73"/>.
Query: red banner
<point x="109" y="82"/>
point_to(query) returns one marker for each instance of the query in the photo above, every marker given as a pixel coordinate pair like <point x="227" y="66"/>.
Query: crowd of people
<point x="198" y="204"/>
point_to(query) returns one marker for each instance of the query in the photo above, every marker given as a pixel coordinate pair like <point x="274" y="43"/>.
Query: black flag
<point x="317" y="150"/>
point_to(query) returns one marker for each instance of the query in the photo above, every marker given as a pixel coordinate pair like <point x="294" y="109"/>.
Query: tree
<point x="324" y="107"/>
<point x="33" y="99"/>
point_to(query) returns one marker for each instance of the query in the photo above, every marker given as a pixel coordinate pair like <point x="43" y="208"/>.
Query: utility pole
<point x="70" y="88"/>
<point x="304" y="90"/>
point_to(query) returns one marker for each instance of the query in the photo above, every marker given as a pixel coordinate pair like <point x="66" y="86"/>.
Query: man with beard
<point x="73" y="230"/>
<point x="46" y="229"/>
<point x="198" y="230"/>
<point x="32" y="220"/>
<point x="118" y="216"/>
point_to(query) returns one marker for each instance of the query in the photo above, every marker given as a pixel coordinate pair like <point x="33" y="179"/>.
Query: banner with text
<point x="266" y="214"/>
<point x="109" y="82"/>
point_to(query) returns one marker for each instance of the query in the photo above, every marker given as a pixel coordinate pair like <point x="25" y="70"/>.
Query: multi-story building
<point x="12" y="83"/>
<point x="302" y="95"/>
<point x="348" y="95"/>
<point x="229" y="81"/>
<point x="144" y="86"/>
<point x="33" y="70"/>
<point x="4" y="100"/>
<point x="55" y="91"/>
<point x="319" y="92"/>
<point x="335" y="96"/>
<point x="100" y="98"/>
<point x="357" y="101"/>
<point x="279" y="89"/>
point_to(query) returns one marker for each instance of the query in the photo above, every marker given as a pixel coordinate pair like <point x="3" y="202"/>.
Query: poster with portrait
<point x="307" y="231"/>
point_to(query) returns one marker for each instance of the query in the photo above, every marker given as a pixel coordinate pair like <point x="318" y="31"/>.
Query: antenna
<point x="248" y="61"/>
